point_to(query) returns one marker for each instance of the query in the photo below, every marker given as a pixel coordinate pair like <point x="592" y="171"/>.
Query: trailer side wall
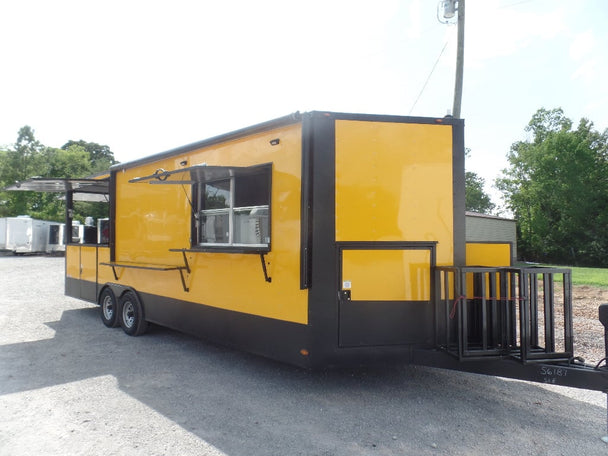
<point x="150" y="220"/>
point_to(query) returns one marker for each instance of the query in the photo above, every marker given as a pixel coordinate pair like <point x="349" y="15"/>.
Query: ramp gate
<point x="485" y="313"/>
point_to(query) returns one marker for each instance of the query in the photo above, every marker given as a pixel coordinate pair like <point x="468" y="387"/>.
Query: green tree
<point x="29" y="158"/>
<point x="557" y="187"/>
<point x="100" y="156"/>
<point x="476" y="199"/>
<point x="60" y="163"/>
<point x="17" y="164"/>
<point x="71" y="162"/>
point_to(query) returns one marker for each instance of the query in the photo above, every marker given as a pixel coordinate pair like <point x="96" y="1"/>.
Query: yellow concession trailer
<point x="322" y="239"/>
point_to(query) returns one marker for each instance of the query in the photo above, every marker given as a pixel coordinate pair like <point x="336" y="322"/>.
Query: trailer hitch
<point x="603" y="315"/>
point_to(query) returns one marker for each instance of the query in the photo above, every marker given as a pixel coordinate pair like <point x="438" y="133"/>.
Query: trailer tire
<point x="132" y="314"/>
<point x="109" y="308"/>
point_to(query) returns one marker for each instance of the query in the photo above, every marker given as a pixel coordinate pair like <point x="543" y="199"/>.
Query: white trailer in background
<point x="55" y="240"/>
<point x="3" y="233"/>
<point x="26" y="235"/>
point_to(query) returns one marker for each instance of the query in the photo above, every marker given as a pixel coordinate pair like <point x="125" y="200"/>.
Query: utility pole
<point x="459" y="62"/>
<point x="450" y="9"/>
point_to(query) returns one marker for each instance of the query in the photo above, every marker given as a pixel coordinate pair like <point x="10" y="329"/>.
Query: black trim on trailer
<point x="431" y="246"/>
<point x="458" y="192"/>
<point x="277" y="339"/>
<point x="391" y="118"/>
<point x="381" y="323"/>
<point x="74" y="288"/>
<point x="306" y="208"/>
<point x="390" y="245"/>
<point x="322" y="295"/>
<point x="112" y="224"/>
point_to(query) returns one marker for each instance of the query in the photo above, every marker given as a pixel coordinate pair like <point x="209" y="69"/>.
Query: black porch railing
<point x="484" y="313"/>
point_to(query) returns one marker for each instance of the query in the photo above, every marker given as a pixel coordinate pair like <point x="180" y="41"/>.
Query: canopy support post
<point x="69" y="213"/>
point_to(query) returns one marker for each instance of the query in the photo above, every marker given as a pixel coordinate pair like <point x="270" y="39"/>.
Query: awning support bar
<point x="263" y="260"/>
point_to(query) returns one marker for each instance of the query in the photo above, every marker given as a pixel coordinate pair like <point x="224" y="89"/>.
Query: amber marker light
<point x="304" y="352"/>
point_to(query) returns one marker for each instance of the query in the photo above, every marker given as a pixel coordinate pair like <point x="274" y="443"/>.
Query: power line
<point x="428" y="77"/>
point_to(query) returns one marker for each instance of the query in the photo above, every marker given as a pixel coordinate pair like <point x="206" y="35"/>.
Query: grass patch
<point x="597" y="277"/>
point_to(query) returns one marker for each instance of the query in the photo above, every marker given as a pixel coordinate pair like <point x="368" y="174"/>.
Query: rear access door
<point x="385" y="293"/>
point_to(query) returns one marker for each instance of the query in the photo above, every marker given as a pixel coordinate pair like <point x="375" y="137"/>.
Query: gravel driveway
<point x="71" y="386"/>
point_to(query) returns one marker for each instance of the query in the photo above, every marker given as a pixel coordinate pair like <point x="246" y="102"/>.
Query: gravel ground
<point x="588" y="331"/>
<point x="71" y="386"/>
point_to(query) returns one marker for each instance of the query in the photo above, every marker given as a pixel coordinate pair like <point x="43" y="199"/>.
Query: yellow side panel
<point x="88" y="263"/>
<point x="386" y="275"/>
<point x="83" y="258"/>
<point x="394" y="183"/>
<point x="104" y="273"/>
<point x="151" y="219"/>
<point x="72" y="261"/>
<point x="488" y="254"/>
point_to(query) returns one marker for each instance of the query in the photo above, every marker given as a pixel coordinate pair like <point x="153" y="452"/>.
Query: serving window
<point x="230" y="205"/>
<point x="234" y="212"/>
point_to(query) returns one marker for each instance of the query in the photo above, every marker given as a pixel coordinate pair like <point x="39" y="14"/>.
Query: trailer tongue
<point x="511" y="322"/>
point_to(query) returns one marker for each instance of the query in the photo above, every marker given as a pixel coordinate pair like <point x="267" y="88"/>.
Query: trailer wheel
<point x="132" y="314"/>
<point x="109" y="308"/>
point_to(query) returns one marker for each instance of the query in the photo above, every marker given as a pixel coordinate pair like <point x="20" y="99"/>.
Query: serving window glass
<point x="234" y="212"/>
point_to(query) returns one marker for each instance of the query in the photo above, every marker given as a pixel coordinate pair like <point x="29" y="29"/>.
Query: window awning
<point x="198" y="173"/>
<point x="83" y="189"/>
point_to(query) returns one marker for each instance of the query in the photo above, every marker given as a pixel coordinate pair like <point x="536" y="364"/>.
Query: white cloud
<point x="415" y="20"/>
<point x="493" y="31"/>
<point x="582" y="45"/>
<point x="587" y="71"/>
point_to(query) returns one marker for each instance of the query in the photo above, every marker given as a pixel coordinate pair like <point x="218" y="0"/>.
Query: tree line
<point x="556" y="185"/>
<point x="28" y="157"/>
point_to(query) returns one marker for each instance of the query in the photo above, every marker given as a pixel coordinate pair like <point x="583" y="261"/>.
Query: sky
<point x="147" y="76"/>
